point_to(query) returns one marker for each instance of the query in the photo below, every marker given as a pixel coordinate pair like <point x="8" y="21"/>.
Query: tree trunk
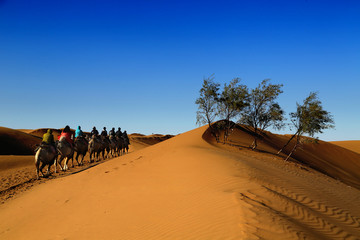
<point x="213" y="132"/>
<point x="287" y="143"/>
<point x="294" y="148"/>
<point x="254" y="144"/>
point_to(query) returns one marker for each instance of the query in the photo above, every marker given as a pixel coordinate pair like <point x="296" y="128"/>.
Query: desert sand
<point x="17" y="172"/>
<point x="351" y="145"/>
<point x="190" y="187"/>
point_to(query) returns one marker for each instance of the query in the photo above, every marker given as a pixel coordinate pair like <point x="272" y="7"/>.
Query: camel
<point x="113" y="146"/>
<point x="95" y="147"/>
<point x="66" y="151"/>
<point x="80" y="147"/>
<point x="46" y="155"/>
<point x="126" y="144"/>
<point x="120" y="145"/>
<point x="105" y="146"/>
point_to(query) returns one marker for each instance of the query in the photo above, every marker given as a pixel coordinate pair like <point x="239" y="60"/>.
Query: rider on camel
<point x="126" y="137"/>
<point x="119" y="133"/>
<point x="112" y="133"/>
<point x="104" y="132"/>
<point x="94" y="132"/>
<point x="48" y="138"/>
<point x="67" y="134"/>
<point x="79" y="132"/>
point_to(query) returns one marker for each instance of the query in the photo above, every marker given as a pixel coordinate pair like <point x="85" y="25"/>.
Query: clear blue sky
<point x="140" y="64"/>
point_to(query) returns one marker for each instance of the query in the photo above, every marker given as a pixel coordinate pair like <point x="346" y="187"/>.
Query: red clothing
<point x="67" y="136"/>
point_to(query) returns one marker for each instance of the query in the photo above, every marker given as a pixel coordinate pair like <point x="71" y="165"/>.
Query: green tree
<point x="262" y="110"/>
<point x="310" y="118"/>
<point x="207" y="104"/>
<point x="231" y="102"/>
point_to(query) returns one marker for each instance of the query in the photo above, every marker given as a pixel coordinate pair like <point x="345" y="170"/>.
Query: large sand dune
<point x="187" y="187"/>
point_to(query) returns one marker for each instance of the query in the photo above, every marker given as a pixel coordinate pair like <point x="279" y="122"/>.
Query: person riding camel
<point x="79" y="132"/>
<point x="119" y="133"/>
<point x="94" y="132"/>
<point x="48" y="139"/>
<point x="126" y="137"/>
<point x="79" y="135"/>
<point x="67" y="134"/>
<point x="112" y="133"/>
<point x="104" y="132"/>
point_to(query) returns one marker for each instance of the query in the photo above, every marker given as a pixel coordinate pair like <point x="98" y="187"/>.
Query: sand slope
<point x="17" y="172"/>
<point x="186" y="188"/>
<point x="14" y="142"/>
<point x="351" y="145"/>
<point x="325" y="157"/>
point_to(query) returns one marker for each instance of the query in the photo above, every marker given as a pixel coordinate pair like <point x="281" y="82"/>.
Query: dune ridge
<point x="187" y="187"/>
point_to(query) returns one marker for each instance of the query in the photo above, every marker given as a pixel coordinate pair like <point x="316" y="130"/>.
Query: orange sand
<point x="187" y="188"/>
<point x="351" y="145"/>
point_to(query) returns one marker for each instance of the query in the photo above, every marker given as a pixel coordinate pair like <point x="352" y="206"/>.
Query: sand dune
<point x="325" y="157"/>
<point x="14" y="142"/>
<point x="41" y="131"/>
<point x="187" y="187"/>
<point x="351" y="145"/>
<point x="150" y="139"/>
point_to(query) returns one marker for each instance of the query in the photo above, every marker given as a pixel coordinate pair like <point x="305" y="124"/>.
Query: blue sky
<point x="140" y="64"/>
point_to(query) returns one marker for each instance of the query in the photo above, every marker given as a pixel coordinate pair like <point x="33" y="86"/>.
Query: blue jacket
<point x="78" y="132"/>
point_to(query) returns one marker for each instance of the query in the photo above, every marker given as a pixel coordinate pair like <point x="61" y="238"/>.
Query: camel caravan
<point x="102" y="145"/>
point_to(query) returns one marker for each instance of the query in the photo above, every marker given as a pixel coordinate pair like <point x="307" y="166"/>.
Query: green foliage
<point x="262" y="111"/>
<point x="232" y="100"/>
<point x="207" y="102"/>
<point x="310" y="117"/>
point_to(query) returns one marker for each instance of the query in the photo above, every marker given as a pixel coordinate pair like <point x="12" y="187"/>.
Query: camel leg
<point x="37" y="169"/>
<point x="55" y="163"/>
<point x="48" y="170"/>
<point x="76" y="158"/>
<point x="60" y="161"/>
<point x="65" y="163"/>
<point x="41" y="168"/>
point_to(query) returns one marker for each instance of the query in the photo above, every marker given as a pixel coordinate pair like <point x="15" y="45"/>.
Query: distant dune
<point x="351" y="145"/>
<point x="14" y="142"/>
<point x="149" y="139"/>
<point x="41" y="131"/>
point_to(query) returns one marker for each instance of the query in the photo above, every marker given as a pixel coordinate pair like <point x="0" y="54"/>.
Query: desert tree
<point x="263" y="111"/>
<point x="310" y="118"/>
<point x="231" y="102"/>
<point x="207" y="104"/>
